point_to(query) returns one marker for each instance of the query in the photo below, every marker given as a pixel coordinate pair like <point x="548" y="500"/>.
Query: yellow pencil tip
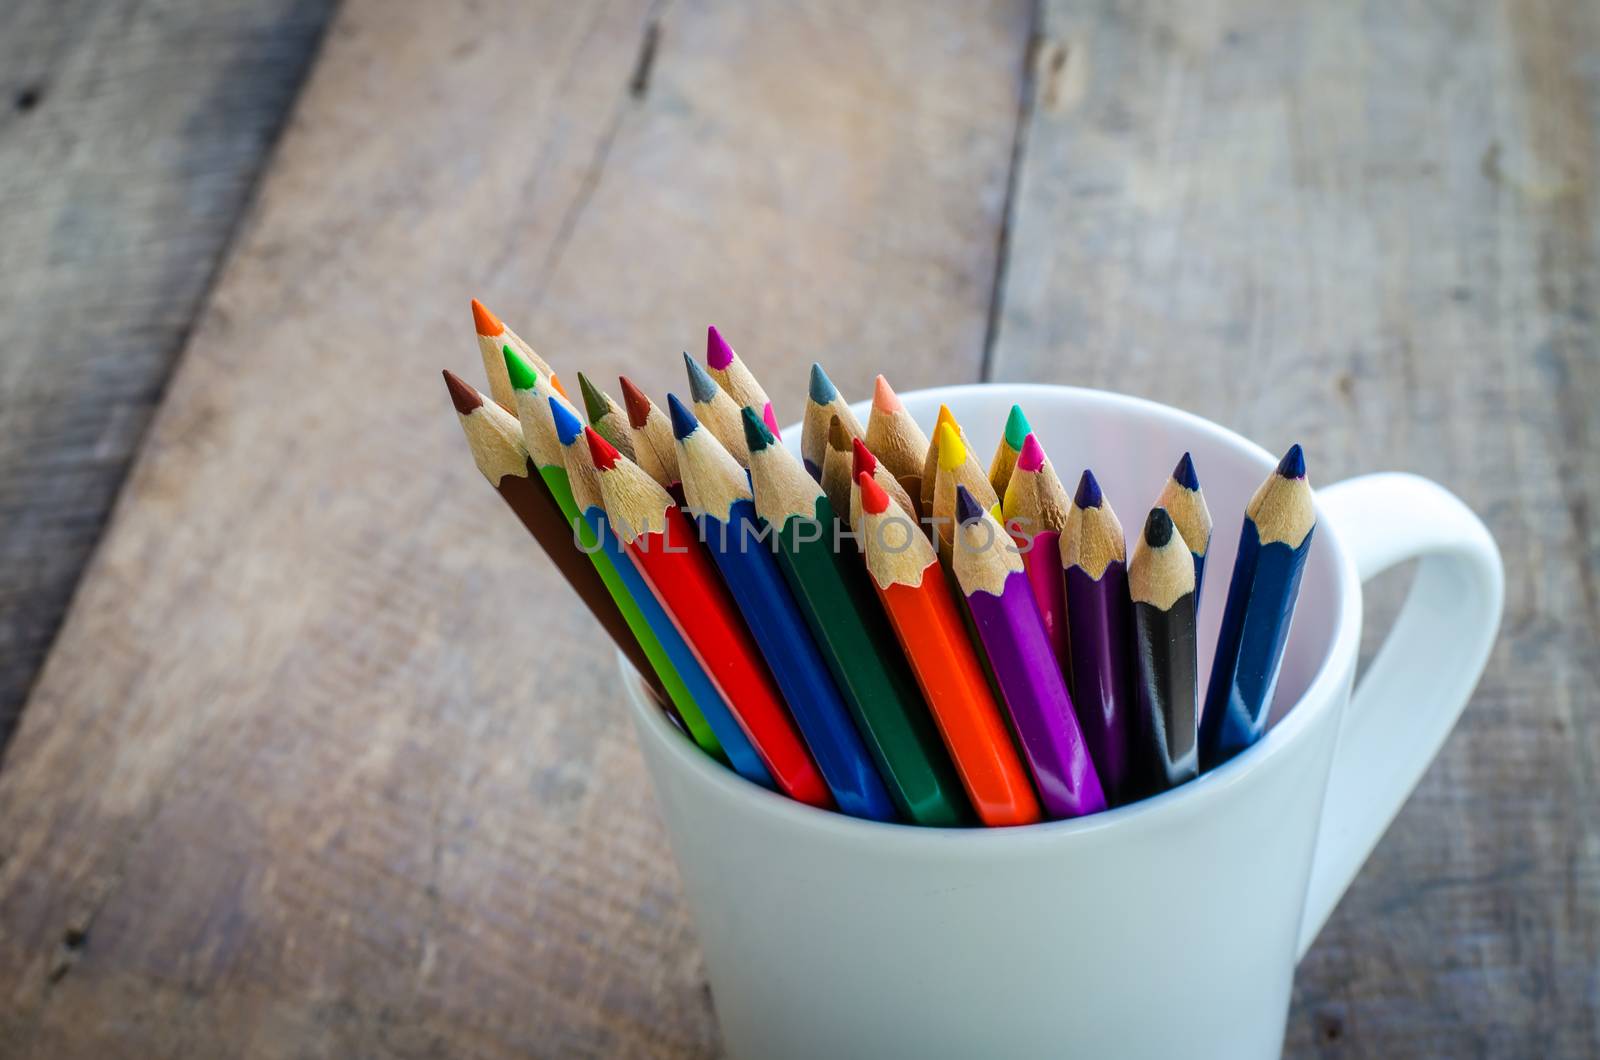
<point x="952" y="454"/>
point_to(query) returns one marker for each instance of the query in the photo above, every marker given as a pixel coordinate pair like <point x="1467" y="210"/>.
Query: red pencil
<point x="668" y="553"/>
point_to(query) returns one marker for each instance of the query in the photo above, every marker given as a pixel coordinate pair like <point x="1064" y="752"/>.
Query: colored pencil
<point x="912" y="587"/>
<point x="1161" y="581"/>
<point x="1035" y="507"/>
<point x="1184" y="501"/>
<point x="664" y="549"/>
<point x="1007" y="450"/>
<point x="719" y="412"/>
<point x="1099" y="624"/>
<point x="737" y="379"/>
<point x="714" y="712"/>
<point x="836" y="463"/>
<point x="537" y="408"/>
<point x="495" y="437"/>
<point x="896" y="440"/>
<point x="956" y="468"/>
<point x="862" y="460"/>
<point x="719" y="495"/>
<point x="653" y="447"/>
<point x="1278" y="525"/>
<point x="930" y="461"/>
<point x="855" y="640"/>
<point x="989" y="571"/>
<point x="822" y="403"/>
<point x="607" y="417"/>
<point x="492" y="335"/>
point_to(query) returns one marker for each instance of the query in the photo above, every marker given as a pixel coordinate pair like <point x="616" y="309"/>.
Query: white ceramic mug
<point x="1167" y="928"/>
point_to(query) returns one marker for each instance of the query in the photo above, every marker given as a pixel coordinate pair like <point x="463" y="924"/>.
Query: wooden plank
<point x="320" y="764"/>
<point x="1372" y="228"/>
<point x="130" y="137"/>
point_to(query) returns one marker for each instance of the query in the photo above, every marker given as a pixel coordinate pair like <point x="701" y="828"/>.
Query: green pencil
<point x="533" y="410"/>
<point x="849" y="626"/>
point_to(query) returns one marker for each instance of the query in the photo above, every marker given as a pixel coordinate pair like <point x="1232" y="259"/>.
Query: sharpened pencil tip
<point x="1293" y="464"/>
<point x="635" y="401"/>
<point x="838" y="437"/>
<point x="873" y="497"/>
<point x="595" y="405"/>
<point x="952" y="454"/>
<point x="522" y="374"/>
<point x="683" y="421"/>
<point x="1088" y="495"/>
<point x="567" y="424"/>
<point x="884" y="399"/>
<point x="462" y="395"/>
<point x="603" y="452"/>
<point x="945" y="416"/>
<point x="967" y="509"/>
<point x="702" y="387"/>
<point x="861" y="458"/>
<point x="1017" y="428"/>
<point x="1184" y="474"/>
<point x="1157" y="528"/>
<point x="821" y="389"/>
<point x="1031" y="456"/>
<point x="718" y="353"/>
<point x="756" y="434"/>
<point x="484" y="322"/>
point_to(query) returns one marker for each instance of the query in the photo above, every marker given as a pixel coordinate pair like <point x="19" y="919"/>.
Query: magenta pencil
<point x="989" y="572"/>
<point x="740" y="383"/>
<point x="1035" y="507"/>
<point x="1100" y="623"/>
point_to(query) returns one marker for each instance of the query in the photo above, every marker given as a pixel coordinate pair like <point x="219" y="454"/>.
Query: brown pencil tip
<point x="635" y="401"/>
<point x="838" y="437"/>
<point x="462" y="395"/>
<point x="487" y="324"/>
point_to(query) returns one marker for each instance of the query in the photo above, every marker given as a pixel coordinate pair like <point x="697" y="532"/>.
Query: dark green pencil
<point x="849" y="626"/>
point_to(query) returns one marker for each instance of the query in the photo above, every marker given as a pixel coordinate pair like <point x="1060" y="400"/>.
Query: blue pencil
<point x="1186" y="504"/>
<point x="1278" y="524"/>
<point x="719" y="496"/>
<point x="586" y="492"/>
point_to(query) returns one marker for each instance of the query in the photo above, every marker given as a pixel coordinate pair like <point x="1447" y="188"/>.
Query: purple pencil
<point x="1099" y="623"/>
<point x="989" y="571"/>
<point x="1036" y="509"/>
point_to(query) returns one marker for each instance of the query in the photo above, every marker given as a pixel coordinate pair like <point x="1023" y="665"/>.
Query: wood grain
<point x="1371" y="228"/>
<point x="322" y="764"/>
<point x="130" y="137"/>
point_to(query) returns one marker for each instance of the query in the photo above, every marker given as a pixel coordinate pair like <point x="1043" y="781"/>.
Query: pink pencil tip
<point x="1032" y="456"/>
<point x="718" y="353"/>
<point x="884" y="399"/>
<point x="771" y="420"/>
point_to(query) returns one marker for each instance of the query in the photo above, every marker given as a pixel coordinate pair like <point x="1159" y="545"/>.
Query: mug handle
<point x="1419" y="681"/>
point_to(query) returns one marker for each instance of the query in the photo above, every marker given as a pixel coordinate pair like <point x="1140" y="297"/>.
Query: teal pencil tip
<point x="1017" y="429"/>
<point x="702" y="387"/>
<point x="822" y="389"/>
<point x="756" y="434"/>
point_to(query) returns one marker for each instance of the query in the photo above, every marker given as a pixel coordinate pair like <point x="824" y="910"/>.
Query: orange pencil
<point x="917" y="599"/>
<point x="492" y="335"/>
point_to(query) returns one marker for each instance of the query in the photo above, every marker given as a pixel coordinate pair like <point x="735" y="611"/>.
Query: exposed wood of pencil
<point x="606" y="417"/>
<point x="861" y="461"/>
<point x="533" y="395"/>
<point x="1007" y="450"/>
<point x="911" y="584"/>
<point x="653" y="446"/>
<point x="1161" y="584"/>
<point x="1184" y="500"/>
<point x="956" y="466"/>
<point x="492" y="335"/>
<point x="718" y="412"/>
<point x="495" y="438"/>
<point x="823" y="401"/>
<point x="1100" y="623"/>
<point x="667" y="551"/>
<point x="734" y="376"/>
<point x="1262" y="592"/>
<point x="930" y="459"/>
<point x="896" y="440"/>
<point x="837" y="461"/>
<point x="856" y="641"/>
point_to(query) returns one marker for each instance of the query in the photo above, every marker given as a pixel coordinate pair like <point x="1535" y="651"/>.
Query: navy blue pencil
<point x="1255" y="623"/>
<point x="1184" y="502"/>
<point x="719" y="496"/>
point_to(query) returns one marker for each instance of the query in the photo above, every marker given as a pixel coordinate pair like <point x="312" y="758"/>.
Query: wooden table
<point x="311" y="769"/>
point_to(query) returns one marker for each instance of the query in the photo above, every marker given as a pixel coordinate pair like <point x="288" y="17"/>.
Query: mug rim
<point x="1320" y="693"/>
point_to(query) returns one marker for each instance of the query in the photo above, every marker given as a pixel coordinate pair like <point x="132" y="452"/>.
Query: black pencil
<point x="1161" y="584"/>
